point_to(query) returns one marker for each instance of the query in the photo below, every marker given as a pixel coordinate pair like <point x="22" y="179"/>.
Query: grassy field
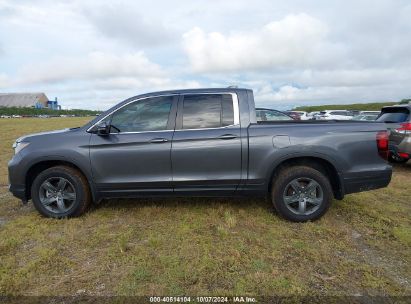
<point x="362" y="246"/>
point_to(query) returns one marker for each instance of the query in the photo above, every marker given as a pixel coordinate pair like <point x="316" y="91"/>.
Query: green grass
<point x="204" y="246"/>
<point x="374" y="106"/>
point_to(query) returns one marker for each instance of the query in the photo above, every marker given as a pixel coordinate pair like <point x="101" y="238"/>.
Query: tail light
<point x="382" y="144"/>
<point x="405" y="128"/>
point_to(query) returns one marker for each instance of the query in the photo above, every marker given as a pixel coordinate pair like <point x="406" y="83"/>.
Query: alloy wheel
<point x="303" y="196"/>
<point x="57" y="195"/>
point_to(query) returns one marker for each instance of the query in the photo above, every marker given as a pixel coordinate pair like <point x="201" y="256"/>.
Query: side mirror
<point x="103" y="129"/>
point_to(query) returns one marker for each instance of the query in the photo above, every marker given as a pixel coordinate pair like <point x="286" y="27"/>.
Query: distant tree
<point x="405" y="101"/>
<point x="375" y="106"/>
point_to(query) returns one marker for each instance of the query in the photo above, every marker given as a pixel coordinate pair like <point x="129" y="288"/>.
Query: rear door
<point x="206" y="147"/>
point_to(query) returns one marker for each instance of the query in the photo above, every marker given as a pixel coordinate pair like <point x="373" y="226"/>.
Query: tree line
<point x="9" y="111"/>
<point x="373" y="106"/>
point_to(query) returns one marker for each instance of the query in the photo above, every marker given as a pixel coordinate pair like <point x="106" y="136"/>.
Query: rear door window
<point x="394" y="115"/>
<point x="207" y="111"/>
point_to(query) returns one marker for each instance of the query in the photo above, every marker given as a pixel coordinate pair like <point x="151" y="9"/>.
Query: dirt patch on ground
<point x="2" y="222"/>
<point x="392" y="268"/>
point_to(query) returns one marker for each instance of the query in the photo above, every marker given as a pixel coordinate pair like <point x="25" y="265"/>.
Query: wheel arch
<point x="316" y="162"/>
<point x="39" y="166"/>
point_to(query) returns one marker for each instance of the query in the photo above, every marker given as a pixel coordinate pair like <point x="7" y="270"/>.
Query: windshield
<point x="394" y="115"/>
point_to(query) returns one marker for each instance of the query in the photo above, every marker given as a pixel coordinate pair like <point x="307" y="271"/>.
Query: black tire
<point x="397" y="159"/>
<point x="281" y="186"/>
<point x="78" y="183"/>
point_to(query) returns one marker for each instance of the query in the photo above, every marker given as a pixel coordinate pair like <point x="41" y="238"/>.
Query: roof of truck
<point x="169" y="92"/>
<point x="193" y="91"/>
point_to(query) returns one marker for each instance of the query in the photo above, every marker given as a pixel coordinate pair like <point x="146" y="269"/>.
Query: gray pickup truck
<point x="203" y="142"/>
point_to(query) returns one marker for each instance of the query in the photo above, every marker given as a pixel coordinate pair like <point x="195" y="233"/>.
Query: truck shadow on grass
<point x="235" y="203"/>
<point x="185" y="203"/>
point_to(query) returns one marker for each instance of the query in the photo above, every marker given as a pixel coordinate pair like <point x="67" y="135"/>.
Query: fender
<point x="50" y="158"/>
<point x="278" y="160"/>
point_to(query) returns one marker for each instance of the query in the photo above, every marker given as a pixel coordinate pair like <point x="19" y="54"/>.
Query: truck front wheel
<point x="301" y="193"/>
<point x="60" y="192"/>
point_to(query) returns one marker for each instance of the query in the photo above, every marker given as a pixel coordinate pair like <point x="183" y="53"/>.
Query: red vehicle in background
<point x="294" y="115"/>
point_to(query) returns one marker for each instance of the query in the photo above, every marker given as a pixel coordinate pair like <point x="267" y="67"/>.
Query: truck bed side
<point x="350" y="148"/>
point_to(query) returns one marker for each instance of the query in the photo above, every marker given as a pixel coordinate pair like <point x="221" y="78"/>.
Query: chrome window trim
<point x="216" y="128"/>
<point x="235" y="110"/>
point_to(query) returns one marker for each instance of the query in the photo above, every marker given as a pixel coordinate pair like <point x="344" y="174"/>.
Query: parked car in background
<point x="302" y="114"/>
<point x="312" y="115"/>
<point x="264" y="114"/>
<point x="335" y="115"/>
<point x="293" y="114"/>
<point x="398" y="121"/>
<point x="367" y="117"/>
<point x="370" y="113"/>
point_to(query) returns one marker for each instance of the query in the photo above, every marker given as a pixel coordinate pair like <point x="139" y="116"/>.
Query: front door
<point x="135" y="157"/>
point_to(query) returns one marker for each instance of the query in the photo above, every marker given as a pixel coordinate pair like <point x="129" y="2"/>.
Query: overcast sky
<point x="93" y="54"/>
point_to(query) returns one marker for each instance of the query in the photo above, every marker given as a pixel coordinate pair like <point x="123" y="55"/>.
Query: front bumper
<point x="18" y="191"/>
<point x="17" y="178"/>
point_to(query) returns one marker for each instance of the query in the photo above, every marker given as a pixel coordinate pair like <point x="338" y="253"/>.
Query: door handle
<point x="227" y="136"/>
<point x="158" y="140"/>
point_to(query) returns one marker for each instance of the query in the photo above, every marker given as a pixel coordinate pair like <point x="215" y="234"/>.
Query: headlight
<point x="18" y="146"/>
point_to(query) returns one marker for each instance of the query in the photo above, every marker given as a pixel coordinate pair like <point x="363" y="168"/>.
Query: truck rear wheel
<point x="301" y="193"/>
<point x="60" y="192"/>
